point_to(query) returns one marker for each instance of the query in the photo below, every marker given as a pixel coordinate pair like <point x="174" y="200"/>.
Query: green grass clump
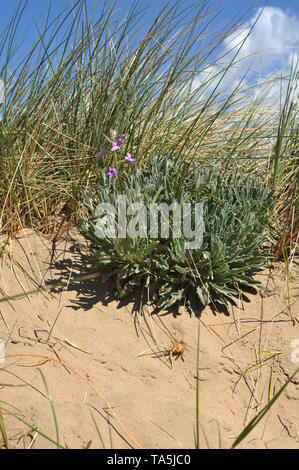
<point x="87" y="72"/>
<point x="235" y="215"/>
<point x="84" y="73"/>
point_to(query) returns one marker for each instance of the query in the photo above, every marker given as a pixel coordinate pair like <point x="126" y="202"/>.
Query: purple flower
<point x="116" y="145"/>
<point x="129" y="158"/>
<point x="101" y="153"/>
<point x="111" y="172"/>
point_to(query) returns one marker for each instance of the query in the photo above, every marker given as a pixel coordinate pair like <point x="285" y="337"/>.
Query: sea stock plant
<point x="233" y="223"/>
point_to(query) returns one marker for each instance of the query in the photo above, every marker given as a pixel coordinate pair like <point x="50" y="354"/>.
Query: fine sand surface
<point x="109" y="362"/>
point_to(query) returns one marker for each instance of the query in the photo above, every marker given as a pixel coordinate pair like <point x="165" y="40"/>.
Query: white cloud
<point x="266" y="54"/>
<point x="271" y="42"/>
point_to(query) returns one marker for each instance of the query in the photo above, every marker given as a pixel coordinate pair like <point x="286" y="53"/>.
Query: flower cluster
<point x="112" y="172"/>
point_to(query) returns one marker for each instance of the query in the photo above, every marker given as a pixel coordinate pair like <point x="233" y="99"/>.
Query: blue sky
<point x="229" y="7"/>
<point x="276" y="33"/>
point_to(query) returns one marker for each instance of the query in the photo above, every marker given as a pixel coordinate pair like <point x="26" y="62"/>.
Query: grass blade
<point x="251" y="425"/>
<point x="52" y="408"/>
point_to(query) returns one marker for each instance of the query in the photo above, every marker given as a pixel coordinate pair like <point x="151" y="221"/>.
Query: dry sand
<point x="110" y="362"/>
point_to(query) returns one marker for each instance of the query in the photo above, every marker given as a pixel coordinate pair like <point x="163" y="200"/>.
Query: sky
<point x="268" y="52"/>
<point x="276" y="34"/>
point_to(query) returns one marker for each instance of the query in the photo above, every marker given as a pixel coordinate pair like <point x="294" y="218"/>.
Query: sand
<point x="110" y="368"/>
